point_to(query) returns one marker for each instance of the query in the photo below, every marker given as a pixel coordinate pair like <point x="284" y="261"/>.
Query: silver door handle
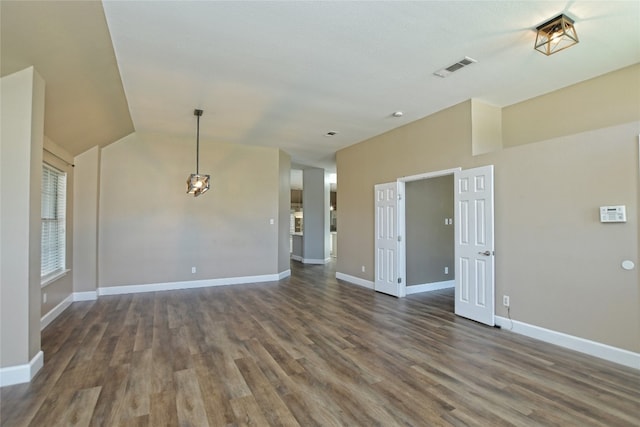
<point x="485" y="253"/>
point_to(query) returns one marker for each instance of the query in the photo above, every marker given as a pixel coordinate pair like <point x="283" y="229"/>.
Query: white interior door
<point x="474" y="246"/>
<point x="386" y="239"/>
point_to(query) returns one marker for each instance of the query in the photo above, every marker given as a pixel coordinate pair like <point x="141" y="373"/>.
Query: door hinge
<point x="399" y="196"/>
<point x="399" y="238"/>
<point x="399" y="279"/>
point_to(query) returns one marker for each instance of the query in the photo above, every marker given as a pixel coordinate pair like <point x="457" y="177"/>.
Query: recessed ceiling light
<point x="397" y="114"/>
<point x="331" y="133"/>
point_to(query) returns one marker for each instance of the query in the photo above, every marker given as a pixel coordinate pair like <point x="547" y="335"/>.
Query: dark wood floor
<point x="308" y="351"/>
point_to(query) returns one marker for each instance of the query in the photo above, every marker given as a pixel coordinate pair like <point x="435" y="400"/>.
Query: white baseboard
<point x="316" y="261"/>
<point x="93" y="295"/>
<point x="284" y="274"/>
<point x="310" y="260"/>
<point x="21" y="373"/>
<point x="58" y="309"/>
<point x="592" y="348"/>
<point x="171" y="286"/>
<point x="428" y="287"/>
<point x="85" y="296"/>
<point x="355" y="280"/>
<point x="55" y="312"/>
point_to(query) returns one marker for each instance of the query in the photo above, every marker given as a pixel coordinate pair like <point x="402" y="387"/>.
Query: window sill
<point x="50" y="278"/>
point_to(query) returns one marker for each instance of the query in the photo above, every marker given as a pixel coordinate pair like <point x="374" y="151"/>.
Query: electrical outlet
<point x="446" y="270"/>
<point x="44" y="298"/>
<point x="505" y="300"/>
<point x="193" y="270"/>
<point x="363" y="268"/>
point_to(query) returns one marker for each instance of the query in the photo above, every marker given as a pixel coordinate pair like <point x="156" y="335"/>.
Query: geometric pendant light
<point x="198" y="184"/>
<point x="555" y="35"/>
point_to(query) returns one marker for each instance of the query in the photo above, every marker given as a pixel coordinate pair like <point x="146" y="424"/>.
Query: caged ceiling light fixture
<point x="555" y="35"/>
<point x="198" y="184"/>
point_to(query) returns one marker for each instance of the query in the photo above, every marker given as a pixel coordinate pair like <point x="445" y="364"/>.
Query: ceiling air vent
<point x="445" y="72"/>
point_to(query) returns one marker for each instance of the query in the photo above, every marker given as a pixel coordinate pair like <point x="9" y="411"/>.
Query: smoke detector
<point x="446" y="72"/>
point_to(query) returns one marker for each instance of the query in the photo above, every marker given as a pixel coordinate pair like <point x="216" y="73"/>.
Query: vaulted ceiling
<point x="285" y="74"/>
<point x="69" y="44"/>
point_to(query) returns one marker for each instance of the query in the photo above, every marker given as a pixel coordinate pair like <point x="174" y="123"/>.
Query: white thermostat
<point x="613" y="214"/>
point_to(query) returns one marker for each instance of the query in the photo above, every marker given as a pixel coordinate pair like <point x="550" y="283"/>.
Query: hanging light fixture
<point x="555" y="35"/>
<point x="198" y="184"/>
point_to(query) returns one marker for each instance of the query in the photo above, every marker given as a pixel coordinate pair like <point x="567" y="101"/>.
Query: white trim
<point x="428" y="287"/>
<point x="284" y="274"/>
<point x="55" y="312"/>
<point x="93" y="295"/>
<point x="58" y="309"/>
<point x="50" y="278"/>
<point x="310" y="260"/>
<point x="428" y="175"/>
<point x="170" y="286"/>
<point x="22" y="373"/>
<point x="355" y="280"/>
<point x="316" y="261"/>
<point x="592" y="348"/>
<point x="85" y="296"/>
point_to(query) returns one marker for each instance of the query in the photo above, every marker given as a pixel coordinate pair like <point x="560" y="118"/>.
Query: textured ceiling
<point x="284" y="74"/>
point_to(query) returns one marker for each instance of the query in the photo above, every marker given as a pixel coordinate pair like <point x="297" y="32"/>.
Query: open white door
<point x="474" y="246"/>
<point x="386" y="239"/>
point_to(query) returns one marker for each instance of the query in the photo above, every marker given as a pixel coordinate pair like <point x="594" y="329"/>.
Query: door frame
<point x="401" y="228"/>
<point x="402" y="216"/>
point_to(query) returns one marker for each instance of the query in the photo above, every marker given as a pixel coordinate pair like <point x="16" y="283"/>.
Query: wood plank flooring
<point x="306" y="351"/>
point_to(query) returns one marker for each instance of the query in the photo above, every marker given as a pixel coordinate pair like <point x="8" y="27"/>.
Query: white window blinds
<point x="54" y="191"/>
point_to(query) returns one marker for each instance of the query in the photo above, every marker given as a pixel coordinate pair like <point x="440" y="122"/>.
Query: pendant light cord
<point x="198" y="113"/>
<point x="198" y="147"/>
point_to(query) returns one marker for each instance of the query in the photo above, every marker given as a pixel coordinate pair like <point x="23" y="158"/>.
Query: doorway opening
<point x="474" y="266"/>
<point x="429" y="242"/>
<point x="425" y="217"/>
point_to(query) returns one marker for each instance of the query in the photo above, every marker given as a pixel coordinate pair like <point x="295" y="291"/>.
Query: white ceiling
<point x="284" y="74"/>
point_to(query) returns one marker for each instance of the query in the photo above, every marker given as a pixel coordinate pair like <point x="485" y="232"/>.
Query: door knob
<point x="485" y="253"/>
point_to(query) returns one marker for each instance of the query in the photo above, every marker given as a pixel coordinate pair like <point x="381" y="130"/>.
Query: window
<point x="54" y="191"/>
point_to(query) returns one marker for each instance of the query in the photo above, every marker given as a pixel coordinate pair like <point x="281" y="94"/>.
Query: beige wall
<point x="60" y="289"/>
<point x="85" y="208"/>
<point x="559" y="265"/>
<point x="22" y="127"/>
<point x="151" y="231"/>
<point x="284" y="208"/>
<point x="608" y="100"/>
<point x="437" y="142"/>
<point x="315" y="208"/>
<point x="429" y="241"/>
<point x="486" y="127"/>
